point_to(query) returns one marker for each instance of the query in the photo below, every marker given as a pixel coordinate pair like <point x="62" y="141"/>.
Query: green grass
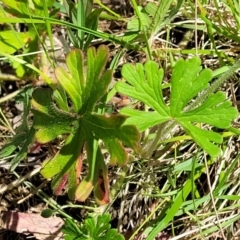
<point x="178" y="181"/>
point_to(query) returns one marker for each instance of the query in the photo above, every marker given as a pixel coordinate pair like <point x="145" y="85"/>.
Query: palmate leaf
<point x="100" y="228"/>
<point x="92" y="228"/>
<point x="49" y="120"/>
<point x="188" y="79"/>
<point x="85" y="87"/>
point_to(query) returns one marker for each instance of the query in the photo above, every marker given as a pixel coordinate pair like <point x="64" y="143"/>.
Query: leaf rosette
<point x="84" y="127"/>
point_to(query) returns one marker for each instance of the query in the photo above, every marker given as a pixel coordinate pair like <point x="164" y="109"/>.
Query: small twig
<point x="9" y="96"/>
<point x="33" y="192"/>
<point x="18" y="181"/>
<point x="212" y="197"/>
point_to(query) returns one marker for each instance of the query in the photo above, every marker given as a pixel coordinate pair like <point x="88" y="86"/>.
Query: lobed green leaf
<point x="71" y="86"/>
<point x="85" y="87"/>
<point x="188" y="80"/>
<point x="48" y="119"/>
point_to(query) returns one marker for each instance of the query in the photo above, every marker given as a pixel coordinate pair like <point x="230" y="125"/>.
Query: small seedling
<point x="97" y="228"/>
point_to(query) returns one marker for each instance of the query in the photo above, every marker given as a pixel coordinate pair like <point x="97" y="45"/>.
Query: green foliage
<point x="82" y="15"/>
<point x="188" y="79"/>
<point x="83" y="125"/>
<point x="151" y="18"/>
<point x="92" y="228"/>
<point x="73" y="112"/>
<point x="171" y="210"/>
<point x="220" y="23"/>
<point x="12" y="41"/>
<point x="24" y="135"/>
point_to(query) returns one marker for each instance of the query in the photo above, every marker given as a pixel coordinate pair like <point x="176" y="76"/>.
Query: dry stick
<point x="195" y="28"/>
<point x="212" y="197"/>
<point x="10" y="95"/>
<point x="50" y="201"/>
<point x="166" y="128"/>
<point x="33" y="193"/>
<point x="18" y="181"/>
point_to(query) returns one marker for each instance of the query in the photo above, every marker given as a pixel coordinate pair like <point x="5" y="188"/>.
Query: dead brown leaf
<point x="41" y="228"/>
